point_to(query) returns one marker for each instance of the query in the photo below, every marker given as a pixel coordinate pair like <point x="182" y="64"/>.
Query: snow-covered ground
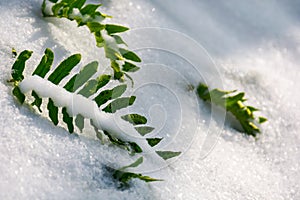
<point x="255" y="46"/>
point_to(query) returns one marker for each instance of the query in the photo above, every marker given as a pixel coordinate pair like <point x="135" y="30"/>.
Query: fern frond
<point x="233" y="103"/>
<point x="80" y="98"/>
<point x="106" y="35"/>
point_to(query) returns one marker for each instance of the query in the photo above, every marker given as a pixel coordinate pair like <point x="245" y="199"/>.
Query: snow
<point x="249" y="46"/>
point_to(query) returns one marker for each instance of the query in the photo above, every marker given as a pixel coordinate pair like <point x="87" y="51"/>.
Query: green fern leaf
<point x="19" y="65"/>
<point x="112" y="29"/>
<point x="153" y="141"/>
<point x="129" y="67"/>
<point x="37" y="101"/>
<point x="168" y="154"/>
<point x="64" y="68"/>
<point x="79" y="121"/>
<point x="45" y="64"/>
<point x="129" y="55"/>
<point x="68" y="120"/>
<point x="107" y="95"/>
<point x="135" y="119"/>
<point x="18" y="94"/>
<point x="233" y="104"/>
<point x="53" y="112"/>
<point x="119" y="103"/>
<point x="82" y="77"/>
<point x="92" y="86"/>
<point x="136" y="163"/>
<point x="144" y="130"/>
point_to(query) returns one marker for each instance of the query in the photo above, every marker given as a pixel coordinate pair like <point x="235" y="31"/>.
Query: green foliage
<point x="52" y="111"/>
<point x="233" y="103"/>
<point x="41" y="70"/>
<point x="124" y="177"/>
<point x="105" y="34"/>
<point x="129" y="67"/>
<point x="135" y="148"/>
<point x="129" y="55"/>
<point x="45" y="64"/>
<point x="79" y="121"/>
<point x="119" y="40"/>
<point x="131" y="147"/>
<point x="107" y="95"/>
<point x="135" y="119"/>
<point x="153" y="141"/>
<point x="112" y="29"/>
<point x="93" y="85"/>
<point x="118" y="104"/>
<point x="82" y="77"/>
<point x="144" y="130"/>
<point x="18" y="94"/>
<point x="19" y="65"/>
<point x="68" y="120"/>
<point x="121" y="61"/>
<point x="262" y="120"/>
<point x="138" y="162"/>
<point x="64" y="68"/>
<point x="89" y="87"/>
<point x="167" y="154"/>
<point x="37" y="101"/>
<point x="89" y="9"/>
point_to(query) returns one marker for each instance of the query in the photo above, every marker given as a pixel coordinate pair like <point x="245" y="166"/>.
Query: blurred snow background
<point x="256" y="47"/>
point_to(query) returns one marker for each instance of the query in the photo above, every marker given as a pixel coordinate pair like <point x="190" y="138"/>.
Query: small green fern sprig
<point x="82" y="83"/>
<point x="109" y="100"/>
<point x="106" y="35"/>
<point x="233" y="103"/>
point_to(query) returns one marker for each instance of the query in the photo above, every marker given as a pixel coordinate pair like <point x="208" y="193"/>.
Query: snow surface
<point x="255" y="48"/>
